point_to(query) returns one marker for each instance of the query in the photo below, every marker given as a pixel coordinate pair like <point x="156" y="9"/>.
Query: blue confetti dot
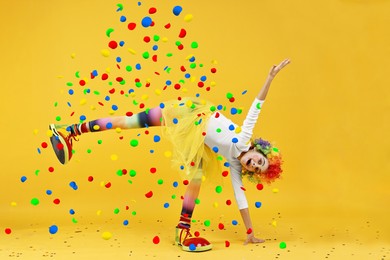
<point x="70" y="91"/>
<point x="109" y="125"/>
<point x="146" y="21"/>
<point x="131" y="91"/>
<point x="215" y="149"/>
<point x="23" y="179"/>
<point x="244" y="92"/>
<point x="181" y="167"/>
<point x="166" y="205"/>
<point x="168" y="82"/>
<point x="156" y="138"/>
<point x="155" y="47"/>
<point x="175" y="184"/>
<point x="118" y="59"/>
<point x="83" y="117"/>
<point x="107" y="98"/>
<point x="219" y="107"/>
<point x="258" y="204"/>
<point x="187" y="75"/>
<point x="123" y="18"/>
<point x="69" y="104"/>
<point x="49" y="192"/>
<point x="71" y="212"/>
<point x="87" y="90"/>
<point x="177" y="10"/>
<point x="192" y="59"/>
<point x="175" y="121"/>
<point x="192" y="247"/>
<point x="126" y="222"/>
<point x="151" y="151"/>
<point x="114" y="107"/>
<point x="95" y="73"/>
<point x="121" y="43"/>
<point x="73" y="185"/>
<point x="53" y="229"/>
<point x="233" y="111"/>
<point x="231" y="127"/>
<point x="226" y="164"/>
<point x="203" y="78"/>
<point x="234" y="140"/>
<point x="39" y="151"/>
<point x="162" y="105"/>
<point x="138" y="66"/>
<point x="234" y="222"/>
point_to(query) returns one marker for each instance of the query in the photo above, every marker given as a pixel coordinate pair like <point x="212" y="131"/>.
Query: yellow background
<point x="328" y="111"/>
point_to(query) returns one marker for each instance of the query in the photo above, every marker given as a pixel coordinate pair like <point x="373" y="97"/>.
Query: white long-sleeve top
<point x="222" y="135"/>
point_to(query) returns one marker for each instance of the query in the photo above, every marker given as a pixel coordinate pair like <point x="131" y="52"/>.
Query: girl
<point x="197" y="132"/>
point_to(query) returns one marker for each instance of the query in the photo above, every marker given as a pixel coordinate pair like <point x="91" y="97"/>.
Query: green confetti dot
<point x="74" y="220"/>
<point x="197" y="201"/>
<point x="123" y="82"/>
<point x="177" y="43"/>
<point x="138" y="84"/>
<point x="239" y="111"/>
<point x="35" y="201"/>
<point x="219" y="158"/>
<point x="134" y="143"/>
<point x="258" y="106"/>
<point x="201" y="65"/>
<point x="146" y="55"/>
<point x="116" y="211"/>
<point x="129" y="68"/>
<point x="77" y="74"/>
<point x="207" y="223"/>
<point x="194" y="45"/>
<point x="218" y="189"/>
<point x="193" y="220"/>
<point x="133" y="213"/>
<point x="229" y="95"/>
<point x="55" y="104"/>
<point x="160" y="181"/>
<point x="132" y="173"/>
<point x="109" y="31"/>
<point x="69" y="84"/>
<point x="58" y="118"/>
<point x="193" y="65"/>
<point x="119" y="173"/>
<point x="156" y="38"/>
<point x="130" y="181"/>
<point x="173" y="196"/>
<point x="219" y="130"/>
<point x="282" y="245"/>
<point x="99" y="141"/>
<point x="37" y="172"/>
<point x="169" y="55"/>
<point x="89" y="151"/>
<point x="96" y="92"/>
<point x="213" y="108"/>
<point x="275" y="149"/>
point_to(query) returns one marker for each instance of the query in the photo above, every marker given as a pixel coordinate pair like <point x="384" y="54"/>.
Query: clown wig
<point x="274" y="159"/>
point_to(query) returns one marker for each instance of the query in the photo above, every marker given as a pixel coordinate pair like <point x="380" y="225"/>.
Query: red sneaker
<point x="188" y="243"/>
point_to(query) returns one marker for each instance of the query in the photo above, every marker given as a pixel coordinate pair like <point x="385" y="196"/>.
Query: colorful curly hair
<point x="274" y="159"/>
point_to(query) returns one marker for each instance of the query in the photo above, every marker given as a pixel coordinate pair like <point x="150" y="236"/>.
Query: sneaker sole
<point x="62" y="154"/>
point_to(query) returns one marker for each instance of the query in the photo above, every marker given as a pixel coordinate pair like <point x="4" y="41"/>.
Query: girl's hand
<point x="252" y="239"/>
<point x="275" y="69"/>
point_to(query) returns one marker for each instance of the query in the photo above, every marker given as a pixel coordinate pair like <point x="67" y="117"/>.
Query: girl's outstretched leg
<point x="183" y="237"/>
<point x="63" y="135"/>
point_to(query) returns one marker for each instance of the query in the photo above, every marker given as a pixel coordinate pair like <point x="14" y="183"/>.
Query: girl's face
<point x="254" y="161"/>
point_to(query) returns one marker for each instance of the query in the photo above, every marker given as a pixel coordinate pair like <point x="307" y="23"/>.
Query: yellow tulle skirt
<point x="185" y="124"/>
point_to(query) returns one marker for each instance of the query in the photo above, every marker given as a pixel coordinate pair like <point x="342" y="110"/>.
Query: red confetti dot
<point x="228" y="202"/>
<point x="142" y="105"/>
<point x="129" y="113"/>
<point x="213" y="70"/>
<point x="232" y="99"/>
<point x="185" y="182"/>
<point x="124" y="171"/>
<point x="112" y="91"/>
<point x="100" y="103"/>
<point x="152" y="10"/>
<point x="227" y="243"/>
<point x="51" y="169"/>
<point x="104" y="76"/>
<point x="146" y="39"/>
<point x="259" y="186"/>
<point x="167" y="26"/>
<point x="156" y="240"/>
<point x="122" y="92"/>
<point x="8" y="231"/>
<point x="152" y="24"/>
<point x="208" y="89"/>
<point x="225" y="173"/>
<point x="44" y="145"/>
<point x="113" y="44"/>
<point x="146" y="132"/>
<point x="192" y="164"/>
<point x="177" y="86"/>
<point x="60" y="146"/>
<point x="154" y="58"/>
<point x="182" y="33"/>
<point x="153" y="170"/>
<point x="149" y="194"/>
<point x="108" y="185"/>
<point x="127" y="207"/>
<point x="90" y="178"/>
<point x="82" y="82"/>
<point x="216" y="115"/>
<point x="200" y="84"/>
<point x="147" y="84"/>
<point x="243" y="188"/>
<point x="56" y="201"/>
<point x="204" y="133"/>
<point x="197" y="234"/>
<point x="182" y="68"/>
<point x="180" y="47"/>
<point x="131" y="26"/>
<point x="137" y="80"/>
<point x="249" y="231"/>
<point x="221" y="226"/>
<point x="119" y="79"/>
<point x="71" y="114"/>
